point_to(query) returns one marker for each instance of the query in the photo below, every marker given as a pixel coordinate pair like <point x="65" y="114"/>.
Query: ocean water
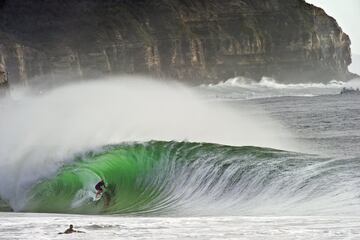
<point x="47" y="226"/>
<point x="237" y="160"/>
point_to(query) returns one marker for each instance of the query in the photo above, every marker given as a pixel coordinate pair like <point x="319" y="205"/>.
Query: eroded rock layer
<point x="194" y="41"/>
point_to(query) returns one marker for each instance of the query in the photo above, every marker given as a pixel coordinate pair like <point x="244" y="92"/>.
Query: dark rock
<point x="3" y="81"/>
<point x="350" y="90"/>
<point x="195" y="41"/>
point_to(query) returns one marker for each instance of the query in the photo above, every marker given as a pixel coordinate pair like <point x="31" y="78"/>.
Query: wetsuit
<point x="99" y="186"/>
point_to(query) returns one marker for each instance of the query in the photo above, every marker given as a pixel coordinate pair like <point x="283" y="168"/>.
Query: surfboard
<point x="97" y="197"/>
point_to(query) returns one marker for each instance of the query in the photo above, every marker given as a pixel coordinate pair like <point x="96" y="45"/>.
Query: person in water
<point x="100" y="187"/>
<point x="71" y="230"/>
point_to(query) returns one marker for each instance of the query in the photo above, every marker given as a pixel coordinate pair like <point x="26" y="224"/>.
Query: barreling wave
<point x="183" y="178"/>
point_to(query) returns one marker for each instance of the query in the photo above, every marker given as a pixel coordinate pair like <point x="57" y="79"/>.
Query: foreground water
<point x="46" y="226"/>
<point x="211" y="191"/>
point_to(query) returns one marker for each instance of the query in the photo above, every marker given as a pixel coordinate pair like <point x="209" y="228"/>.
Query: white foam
<point x="31" y="226"/>
<point x="83" y="196"/>
<point x="272" y="83"/>
<point x="244" y="88"/>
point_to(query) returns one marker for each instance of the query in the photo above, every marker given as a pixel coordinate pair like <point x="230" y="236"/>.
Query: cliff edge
<point x="194" y="41"/>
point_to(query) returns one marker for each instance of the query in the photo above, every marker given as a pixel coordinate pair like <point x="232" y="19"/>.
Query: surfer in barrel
<point x="100" y="187"/>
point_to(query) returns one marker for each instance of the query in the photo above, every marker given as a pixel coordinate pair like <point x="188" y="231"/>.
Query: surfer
<point x="100" y="187"/>
<point x="71" y="230"/>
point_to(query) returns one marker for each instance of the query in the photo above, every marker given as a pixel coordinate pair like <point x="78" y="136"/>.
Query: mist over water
<point x="40" y="133"/>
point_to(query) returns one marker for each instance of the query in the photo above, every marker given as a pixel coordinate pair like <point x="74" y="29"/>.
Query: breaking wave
<point x="244" y="88"/>
<point x="161" y="149"/>
<point x="41" y="133"/>
<point x="182" y="178"/>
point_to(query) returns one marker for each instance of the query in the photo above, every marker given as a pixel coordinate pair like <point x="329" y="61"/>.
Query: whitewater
<point x="236" y="160"/>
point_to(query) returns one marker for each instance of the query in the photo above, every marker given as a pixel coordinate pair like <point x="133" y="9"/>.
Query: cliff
<point x="195" y="41"/>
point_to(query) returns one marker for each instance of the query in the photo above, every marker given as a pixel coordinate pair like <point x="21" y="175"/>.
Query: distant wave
<point x="244" y="88"/>
<point x="271" y="83"/>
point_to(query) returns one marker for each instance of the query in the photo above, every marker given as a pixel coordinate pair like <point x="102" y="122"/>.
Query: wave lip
<point x="183" y="178"/>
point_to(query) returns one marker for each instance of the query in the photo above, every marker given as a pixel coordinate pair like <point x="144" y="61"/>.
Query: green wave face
<point x="139" y="177"/>
<point x="122" y="167"/>
<point x="168" y="177"/>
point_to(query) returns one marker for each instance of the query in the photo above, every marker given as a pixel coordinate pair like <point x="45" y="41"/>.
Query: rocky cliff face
<point x="3" y="80"/>
<point x="195" y="41"/>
